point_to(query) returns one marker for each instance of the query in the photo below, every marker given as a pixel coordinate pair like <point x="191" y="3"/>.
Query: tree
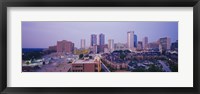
<point x="32" y="55"/>
<point x="122" y="56"/>
<point x="80" y="56"/>
<point x="164" y="52"/>
<point x="153" y="68"/>
<point x="174" y="67"/>
<point x="90" y="57"/>
<point x="27" y="62"/>
<point x="127" y="51"/>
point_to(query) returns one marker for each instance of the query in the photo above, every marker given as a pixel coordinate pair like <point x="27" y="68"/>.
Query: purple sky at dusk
<point x="45" y="34"/>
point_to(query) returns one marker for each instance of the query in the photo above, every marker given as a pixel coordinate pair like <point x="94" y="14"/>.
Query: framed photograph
<point x="76" y="46"/>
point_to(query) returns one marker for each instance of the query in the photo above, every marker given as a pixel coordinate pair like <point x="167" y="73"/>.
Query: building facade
<point x="86" y="66"/>
<point x="111" y="44"/>
<point x="135" y="41"/>
<point x="83" y="43"/>
<point x="101" y="42"/>
<point x="153" y="46"/>
<point x="174" y="46"/>
<point x="65" y="46"/>
<point x="140" y="45"/>
<point x="145" y="43"/>
<point x="102" y="47"/>
<point x="165" y="43"/>
<point x="120" y="46"/>
<point x="101" y="39"/>
<point x="53" y="48"/>
<point x="130" y="40"/>
<point x="93" y="40"/>
<point x="95" y="48"/>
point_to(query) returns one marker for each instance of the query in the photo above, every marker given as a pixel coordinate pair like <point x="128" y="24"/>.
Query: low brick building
<point x="86" y="66"/>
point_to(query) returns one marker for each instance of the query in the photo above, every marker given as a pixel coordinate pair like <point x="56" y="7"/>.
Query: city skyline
<point x="57" y="31"/>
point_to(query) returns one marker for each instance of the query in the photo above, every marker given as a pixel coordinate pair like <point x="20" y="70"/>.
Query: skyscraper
<point x="101" y="42"/>
<point x="93" y="39"/>
<point x="83" y="43"/>
<point x="174" y="46"/>
<point x="140" y="46"/>
<point x="145" y="42"/>
<point x="101" y="39"/>
<point x="165" y="43"/>
<point x="135" y="41"/>
<point x="130" y="40"/>
<point x="111" y="44"/>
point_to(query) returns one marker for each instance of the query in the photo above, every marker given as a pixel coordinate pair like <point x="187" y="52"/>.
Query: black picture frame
<point x="98" y="3"/>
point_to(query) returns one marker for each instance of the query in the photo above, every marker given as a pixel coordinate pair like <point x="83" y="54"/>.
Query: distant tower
<point x="111" y="44"/>
<point x="83" y="43"/>
<point x="130" y="40"/>
<point x="165" y="43"/>
<point x="145" y="42"/>
<point x="174" y="46"/>
<point x="93" y="39"/>
<point x="135" y="41"/>
<point x="101" y="39"/>
<point x="140" y="46"/>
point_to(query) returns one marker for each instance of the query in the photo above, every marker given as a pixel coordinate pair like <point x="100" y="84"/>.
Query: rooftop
<point x="85" y="61"/>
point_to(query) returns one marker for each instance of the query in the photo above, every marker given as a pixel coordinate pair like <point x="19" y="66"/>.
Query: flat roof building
<point x="87" y="65"/>
<point x="65" y="46"/>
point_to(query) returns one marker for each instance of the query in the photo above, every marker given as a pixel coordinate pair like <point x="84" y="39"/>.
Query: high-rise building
<point x="111" y="44"/>
<point x="140" y="45"/>
<point x="153" y="46"/>
<point x="145" y="43"/>
<point x="93" y="39"/>
<point x="65" y="46"/>
<point x="130" y="40"/>
<point x="102" y="47"/>
<point x="120" y="46"/>
<point x="174" y="46"/>
<point x="165" y="43"/>
<point x="101" y="42"/>
<point x="101" y="39"/>
<point x="135" y="41"/>
<point x="83" y="43"/>
<point x="95" y="49"/>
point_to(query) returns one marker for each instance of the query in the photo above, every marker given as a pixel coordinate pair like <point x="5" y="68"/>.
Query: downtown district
<point x="133" y="56"/>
